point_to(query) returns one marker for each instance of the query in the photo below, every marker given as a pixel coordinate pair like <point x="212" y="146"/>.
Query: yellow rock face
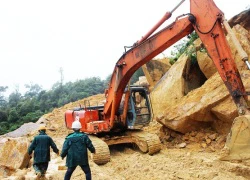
<point x="14" y="154"/>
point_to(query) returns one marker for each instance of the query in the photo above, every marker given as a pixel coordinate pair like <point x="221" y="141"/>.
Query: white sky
<point x="85" y="38"/>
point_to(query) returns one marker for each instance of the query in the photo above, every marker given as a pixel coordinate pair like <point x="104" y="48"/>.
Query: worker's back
<point x="41" y="146"/>
<point x="76" y="145"/>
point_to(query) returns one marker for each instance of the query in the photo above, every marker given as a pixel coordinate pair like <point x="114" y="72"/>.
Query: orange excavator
<point x="127" y="108"/>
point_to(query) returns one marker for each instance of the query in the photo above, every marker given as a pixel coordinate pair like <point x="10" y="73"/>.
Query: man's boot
<point x="38" y="175"/>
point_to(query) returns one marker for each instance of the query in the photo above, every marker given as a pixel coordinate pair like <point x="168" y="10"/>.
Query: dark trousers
<point x="41" y="167"/>
<point x="85" y="168"/>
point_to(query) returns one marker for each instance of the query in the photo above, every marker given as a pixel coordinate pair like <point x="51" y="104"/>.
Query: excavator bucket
<point x="237" y="146"/>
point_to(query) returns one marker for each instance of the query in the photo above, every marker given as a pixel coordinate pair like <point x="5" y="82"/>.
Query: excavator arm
<point x="206" y="19"/>
<point x="208" y="23"/>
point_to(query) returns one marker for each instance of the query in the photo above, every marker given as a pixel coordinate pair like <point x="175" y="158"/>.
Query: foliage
<point x="2" y="99"/>
<point x="183" y="47"/>
<point x="13" y="115"/>
<point x="136" y="75"/>
<point x="33" y="90"/>
<point x="32" y="116"/>
<point x="18" y="109"/>
<point x="134" y="78"/>
<point x="3" y="116"/>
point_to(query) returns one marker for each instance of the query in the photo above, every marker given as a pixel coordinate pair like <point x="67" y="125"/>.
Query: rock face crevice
<point x="193" y="77"/>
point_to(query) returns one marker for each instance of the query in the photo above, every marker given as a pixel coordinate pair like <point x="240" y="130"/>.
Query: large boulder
<point x="13" y="154"/>
<point x="204" y="106"/>
<point x="226" y="111"/>
<point x="206" y="64"/>
<point x="193" y="110"/>
<point x="243" y="37"/>
<point x="154" y="70"/>
<point x="142" y="82"/>
<point x="242" y="19"/>
<point x="181" y="78"/>
<point x="157" y="69"/>
<point x="183" y="110"/>
<point x="170" y="88"/>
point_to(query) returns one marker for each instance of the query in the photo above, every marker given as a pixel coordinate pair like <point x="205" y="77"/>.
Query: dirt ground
<point x="189" y="156"/>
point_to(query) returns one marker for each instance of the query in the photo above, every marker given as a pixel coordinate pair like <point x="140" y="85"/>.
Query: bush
<point x="3" y="116"/>
<point x="32" y="116"/>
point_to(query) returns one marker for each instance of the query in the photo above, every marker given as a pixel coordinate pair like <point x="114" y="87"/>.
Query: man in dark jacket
<point x="41" y="147"/>
<point x="75" y="148"/>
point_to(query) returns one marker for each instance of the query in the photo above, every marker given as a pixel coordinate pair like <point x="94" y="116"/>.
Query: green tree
<point x="42" y="101"/>
<point x="3" y="116"/>
<point x="74" y="96"/>
<point x="4" y="127"/>
<point x="136" y="76"/>
<point x="2" y="98"/>
<point x="107" y="81"/>
<point x="61" y="76"/>
<point x="32" y="116"/>
<point x="33" y="90"/>
<point x="63" y="100"/>
<point x="182" y="47"/>
<point x="25" y="107"/>
<point x="14" y="98"/>
<point x="36" y="102"/>
<point x="133" y="79"/>
<point x="13" y="115"/>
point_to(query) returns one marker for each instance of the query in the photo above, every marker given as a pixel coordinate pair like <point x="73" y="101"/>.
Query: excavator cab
<point x="139" y="110"/>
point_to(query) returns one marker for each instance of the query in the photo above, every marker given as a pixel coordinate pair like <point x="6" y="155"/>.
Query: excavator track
<point x="102" y="154"/>
<point x="147" y="142"/>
